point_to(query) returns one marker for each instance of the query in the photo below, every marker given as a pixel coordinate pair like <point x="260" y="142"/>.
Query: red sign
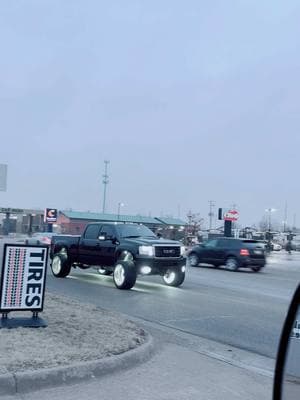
<point x="231" y="215"/>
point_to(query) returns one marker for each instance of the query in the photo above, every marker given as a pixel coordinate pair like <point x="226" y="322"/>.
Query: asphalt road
<point x="242" y="309"/>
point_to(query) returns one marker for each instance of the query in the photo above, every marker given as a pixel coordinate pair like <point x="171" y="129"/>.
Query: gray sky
<point x="189" y="100"/>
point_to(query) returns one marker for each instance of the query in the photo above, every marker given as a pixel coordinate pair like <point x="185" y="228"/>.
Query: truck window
<point x="108" y="231"/>
<point x="92" y="232"/>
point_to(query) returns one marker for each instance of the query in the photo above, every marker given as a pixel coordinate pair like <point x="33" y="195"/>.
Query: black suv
<point x="233" y="253"/>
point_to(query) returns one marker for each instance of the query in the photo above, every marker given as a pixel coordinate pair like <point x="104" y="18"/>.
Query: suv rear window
<point x="228" y="243"/>
<point x="252" y="243"/>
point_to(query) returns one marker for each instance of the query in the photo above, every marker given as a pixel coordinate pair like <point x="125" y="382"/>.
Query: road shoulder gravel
<point x="81" y="342"/>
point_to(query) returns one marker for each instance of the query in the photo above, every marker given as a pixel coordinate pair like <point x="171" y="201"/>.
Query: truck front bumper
<point x="158" y="266"/>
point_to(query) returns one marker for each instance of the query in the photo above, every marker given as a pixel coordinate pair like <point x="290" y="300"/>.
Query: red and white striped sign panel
<point x="231" y="215"/>
<point x="23" y="278"/>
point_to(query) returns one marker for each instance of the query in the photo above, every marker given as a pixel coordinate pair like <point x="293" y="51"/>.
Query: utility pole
<point x="285" y="216"/>
<point x="105" y="183"/>
<point x="211" y="213"/>
<point x="294" y="222"/>
<point x="119" y="208"/>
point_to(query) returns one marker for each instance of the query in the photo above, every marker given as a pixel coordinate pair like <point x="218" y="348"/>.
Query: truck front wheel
<point x="124" y="274"/>
<point x="60" y="265"/>
<point x="174" y="277"/>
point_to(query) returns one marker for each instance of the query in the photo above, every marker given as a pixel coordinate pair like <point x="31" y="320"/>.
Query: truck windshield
<point x="126" y="231"/>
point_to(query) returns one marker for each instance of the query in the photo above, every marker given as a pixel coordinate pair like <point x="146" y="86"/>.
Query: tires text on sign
<point x="231" y="215"/>
<point x="23" y="278"/>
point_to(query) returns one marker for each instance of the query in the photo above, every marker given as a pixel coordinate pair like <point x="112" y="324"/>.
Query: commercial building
<point x="74" y="222"/>
<point x="27" y="221"/>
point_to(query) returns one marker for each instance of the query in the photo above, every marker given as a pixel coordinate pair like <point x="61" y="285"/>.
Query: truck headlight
<point x="146" y="251"/>
<point x="182" y="250"/>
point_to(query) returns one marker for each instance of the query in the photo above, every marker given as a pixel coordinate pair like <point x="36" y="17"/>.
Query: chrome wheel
<point x="56" y="265"/>
<point x="119" y="274"/>
<point x="174" y="277"/>
<point x="169" y="277"/>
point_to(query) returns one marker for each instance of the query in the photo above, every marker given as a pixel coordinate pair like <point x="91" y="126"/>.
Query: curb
<point x="24" y="382"/>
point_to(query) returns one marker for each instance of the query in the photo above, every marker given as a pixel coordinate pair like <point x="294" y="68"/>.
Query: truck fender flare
<point x="125" y="255"/>
<point x="61" y="249"/>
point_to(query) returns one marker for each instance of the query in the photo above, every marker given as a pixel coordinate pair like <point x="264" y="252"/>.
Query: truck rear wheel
<point x="173" y="277"/>
<point x="124" y="274"/>
<point x="60" y="265"/>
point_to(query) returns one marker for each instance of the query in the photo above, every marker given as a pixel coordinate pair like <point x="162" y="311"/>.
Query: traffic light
<point x="220" y="214"/>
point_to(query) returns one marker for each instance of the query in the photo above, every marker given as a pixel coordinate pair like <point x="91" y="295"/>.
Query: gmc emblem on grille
<point x="169" y="251"/>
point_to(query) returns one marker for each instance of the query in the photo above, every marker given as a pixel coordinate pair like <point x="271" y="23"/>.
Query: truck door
<point x="108" y="245"/>
<point x="89" y="245"/>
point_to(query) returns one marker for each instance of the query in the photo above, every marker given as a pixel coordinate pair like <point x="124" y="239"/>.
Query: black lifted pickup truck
<point x="124" y="250"/>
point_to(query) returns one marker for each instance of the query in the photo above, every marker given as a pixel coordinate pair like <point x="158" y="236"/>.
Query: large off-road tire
<point x="103" y="271"/>
<point x="60" y="265"/>
<point x="173" y="277"/>
<point x="232" y="264"/>
<point x="193" y="260"/>
<point x="124" y="274"/>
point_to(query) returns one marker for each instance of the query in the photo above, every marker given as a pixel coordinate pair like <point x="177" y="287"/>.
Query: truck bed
<point x="70" y="242"/>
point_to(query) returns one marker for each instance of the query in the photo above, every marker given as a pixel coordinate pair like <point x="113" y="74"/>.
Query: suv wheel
<point x="232" y="264"/>
<point x="103" y="271"/>
<point x="256" y="269"/>
<point x="193" y="260"/>
<point x="173" y="277"/>
<point x="60" y="265"/>
<point x="124" y="274"/>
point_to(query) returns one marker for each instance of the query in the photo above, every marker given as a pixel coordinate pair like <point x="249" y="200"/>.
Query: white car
<point x="40" y="238"/>
<point x="276" y="246"/>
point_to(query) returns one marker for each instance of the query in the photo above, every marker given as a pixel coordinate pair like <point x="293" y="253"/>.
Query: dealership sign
<point x="23" y="278"/>
<point x="50" y="215"/>
<point x="231" y="215"/>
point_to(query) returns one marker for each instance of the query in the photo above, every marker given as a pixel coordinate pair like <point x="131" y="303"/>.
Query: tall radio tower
<point x="105" y="183"/>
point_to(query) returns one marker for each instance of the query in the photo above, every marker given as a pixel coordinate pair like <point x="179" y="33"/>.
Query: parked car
<point x="39" y="238"/>
<point x="276" y="246"/>
<point x="295" y="245"/>
<point x="233" y="253"/>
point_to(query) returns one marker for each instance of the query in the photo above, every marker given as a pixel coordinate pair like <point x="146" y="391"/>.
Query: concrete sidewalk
<point x="173" y="373"/>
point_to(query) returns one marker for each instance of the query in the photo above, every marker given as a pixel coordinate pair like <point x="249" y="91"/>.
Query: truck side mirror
<point x="287" y="373"/>
<point x="101" y="237"/>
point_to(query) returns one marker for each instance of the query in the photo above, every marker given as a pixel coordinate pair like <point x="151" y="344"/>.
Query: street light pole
<point x="105" y="183"/>
<point x="119" y="208"/>
<point x="269" y="210"/>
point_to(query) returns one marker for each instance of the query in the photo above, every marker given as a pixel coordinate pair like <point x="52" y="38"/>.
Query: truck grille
<point x="167" y="251"/>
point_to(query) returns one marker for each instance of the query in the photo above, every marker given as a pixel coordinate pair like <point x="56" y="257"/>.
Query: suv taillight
<point x="244" y="252"/>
